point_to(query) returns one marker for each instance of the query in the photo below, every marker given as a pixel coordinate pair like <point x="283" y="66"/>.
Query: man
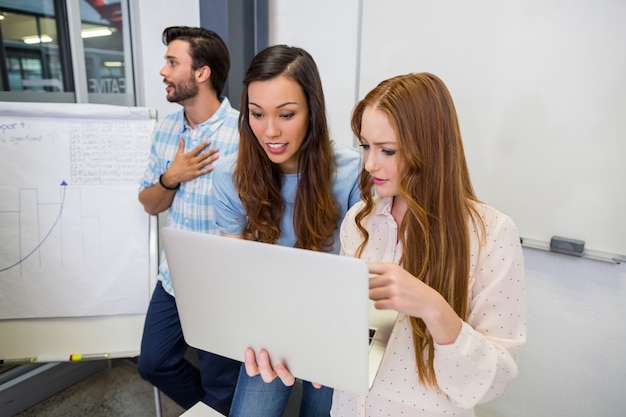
<point x="185" y="145"/>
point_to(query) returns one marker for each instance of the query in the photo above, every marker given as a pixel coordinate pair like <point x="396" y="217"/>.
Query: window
<point x="41" y="61"/>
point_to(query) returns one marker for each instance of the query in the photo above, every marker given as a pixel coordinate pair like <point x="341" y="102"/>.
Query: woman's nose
<point x="369" y="162"/>
<point x="271" y="129"/>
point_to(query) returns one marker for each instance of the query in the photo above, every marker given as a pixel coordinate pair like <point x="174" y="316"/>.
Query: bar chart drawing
<point x="52" y="230"/>
<point x="23" y="258"/>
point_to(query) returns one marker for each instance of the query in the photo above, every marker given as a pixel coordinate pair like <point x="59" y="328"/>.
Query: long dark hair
<point x="258" y="180"/>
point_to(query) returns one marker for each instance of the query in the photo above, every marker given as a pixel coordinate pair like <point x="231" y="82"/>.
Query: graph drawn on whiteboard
<point x="74" y="237"/>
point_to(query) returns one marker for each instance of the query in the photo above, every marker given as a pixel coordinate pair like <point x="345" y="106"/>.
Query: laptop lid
<point x="308" y="309"/>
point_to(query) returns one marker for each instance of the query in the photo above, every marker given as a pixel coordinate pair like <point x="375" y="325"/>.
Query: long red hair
<point x="435" y="183"/>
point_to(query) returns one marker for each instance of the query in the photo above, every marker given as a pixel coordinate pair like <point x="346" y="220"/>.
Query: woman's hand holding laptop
<point x="260" y="364"/>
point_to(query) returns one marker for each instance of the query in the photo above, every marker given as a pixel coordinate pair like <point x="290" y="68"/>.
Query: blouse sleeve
<point x="483" y="359"/>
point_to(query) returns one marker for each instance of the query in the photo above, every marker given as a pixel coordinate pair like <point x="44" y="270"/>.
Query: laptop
<point x="310" y="310"/>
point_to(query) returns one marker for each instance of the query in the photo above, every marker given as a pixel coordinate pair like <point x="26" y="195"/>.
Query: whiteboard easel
<point x="44" y="339"/>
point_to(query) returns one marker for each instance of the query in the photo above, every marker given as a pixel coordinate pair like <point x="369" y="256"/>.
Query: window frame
<point x="71" y="52"/>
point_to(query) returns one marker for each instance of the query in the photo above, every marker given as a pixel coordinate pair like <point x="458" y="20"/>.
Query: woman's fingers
<point x="250" y="363"/>
<point x="285" y="376"/>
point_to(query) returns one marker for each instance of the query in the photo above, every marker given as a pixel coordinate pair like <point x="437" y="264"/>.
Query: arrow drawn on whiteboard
<point x="63" y="185"/>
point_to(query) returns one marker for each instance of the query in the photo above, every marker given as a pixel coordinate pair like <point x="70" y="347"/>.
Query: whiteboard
<point x="78" y="254"/>
<point x="540" y="91"/>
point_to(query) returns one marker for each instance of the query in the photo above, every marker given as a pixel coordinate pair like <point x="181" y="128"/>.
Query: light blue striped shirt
<point x="192" y="208"/>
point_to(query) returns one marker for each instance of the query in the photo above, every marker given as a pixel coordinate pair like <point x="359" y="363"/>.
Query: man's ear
<point x="203" y="73"/>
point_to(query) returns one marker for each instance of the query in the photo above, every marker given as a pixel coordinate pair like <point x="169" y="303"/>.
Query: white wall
<point x="540" y="91"/>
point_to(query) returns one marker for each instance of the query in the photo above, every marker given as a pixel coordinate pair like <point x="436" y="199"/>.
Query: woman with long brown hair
<point x="289" y="184"/>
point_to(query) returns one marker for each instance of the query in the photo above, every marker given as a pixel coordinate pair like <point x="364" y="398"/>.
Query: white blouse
<point x="482" y="360"/>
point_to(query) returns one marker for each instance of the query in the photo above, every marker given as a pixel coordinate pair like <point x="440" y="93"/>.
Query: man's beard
<point x="183" y="90"/>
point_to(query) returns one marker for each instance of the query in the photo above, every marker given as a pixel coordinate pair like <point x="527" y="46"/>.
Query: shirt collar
<point x="214" y="121"/>
<point x="383" y="205"/>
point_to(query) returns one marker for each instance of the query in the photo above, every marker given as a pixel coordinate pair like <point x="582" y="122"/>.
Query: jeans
<point x="162" y="360"/>
<point x="254" y="397"/>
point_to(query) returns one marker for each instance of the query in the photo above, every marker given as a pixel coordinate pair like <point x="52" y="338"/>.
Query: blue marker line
<point x="63" y="184"/>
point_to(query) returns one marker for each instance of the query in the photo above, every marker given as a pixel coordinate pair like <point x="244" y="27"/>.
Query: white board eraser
<point x="567" y="246"/>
